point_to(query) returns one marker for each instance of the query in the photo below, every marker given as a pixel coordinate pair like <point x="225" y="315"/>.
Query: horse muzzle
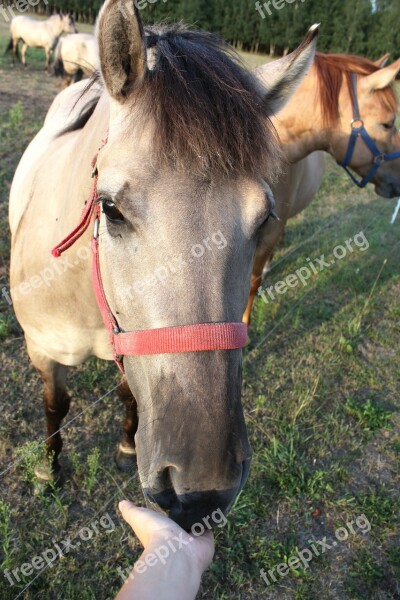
<point x="195" y="510"/>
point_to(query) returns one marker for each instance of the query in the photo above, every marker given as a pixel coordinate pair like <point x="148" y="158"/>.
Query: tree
<point x="368" y="27"/>
<point x="385" y="31"/>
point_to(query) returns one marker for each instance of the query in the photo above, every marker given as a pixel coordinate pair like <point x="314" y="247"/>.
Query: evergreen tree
<point x="385" y="33"/>
<point x="367" y="27"/>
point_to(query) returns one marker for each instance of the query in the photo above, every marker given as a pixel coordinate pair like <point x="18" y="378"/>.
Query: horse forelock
<point x="332" y="70"/>
<point x="207" y="112"/>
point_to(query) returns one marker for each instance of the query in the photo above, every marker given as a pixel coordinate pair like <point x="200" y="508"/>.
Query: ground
<point x="321" y="395"/>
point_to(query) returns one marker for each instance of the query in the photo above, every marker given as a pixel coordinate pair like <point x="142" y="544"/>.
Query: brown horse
<point x="189" y="136"/>
<point x="318" y="118"/>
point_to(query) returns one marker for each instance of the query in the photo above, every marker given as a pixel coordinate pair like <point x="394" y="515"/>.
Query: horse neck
<point x="56" y="26"/>
<point x="300" y="124"/>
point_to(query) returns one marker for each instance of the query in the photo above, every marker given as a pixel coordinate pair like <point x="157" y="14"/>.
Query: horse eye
<point x="388" y="126"/>
<point x="111" y="211"/>
<point x="272" y="215"/>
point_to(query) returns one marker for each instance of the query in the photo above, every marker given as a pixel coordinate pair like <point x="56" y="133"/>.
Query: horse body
<point x="64" y="343"/>
<point x="39" y="34"/>
<point x="172" y="177"/>
<point x="318" y="119"/>
<point x="76" y="56"/>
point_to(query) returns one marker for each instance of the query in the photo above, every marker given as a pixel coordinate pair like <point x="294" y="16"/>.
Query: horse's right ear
<point x="381" y="79"/>
<point x="122" y="47"/>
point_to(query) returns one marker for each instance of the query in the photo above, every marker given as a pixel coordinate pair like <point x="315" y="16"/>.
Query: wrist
<point x="172" y="558"/>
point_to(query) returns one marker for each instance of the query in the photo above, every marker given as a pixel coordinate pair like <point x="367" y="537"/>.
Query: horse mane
<point x="332" y="69"/>
<point x="208" y="113"/>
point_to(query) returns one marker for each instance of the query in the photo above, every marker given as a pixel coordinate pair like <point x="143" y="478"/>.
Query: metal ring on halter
<point x="357" y="121"/>
<point x="380" y="159"/>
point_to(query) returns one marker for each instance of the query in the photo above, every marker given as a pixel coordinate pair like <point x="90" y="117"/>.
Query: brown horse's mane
<point x="208" y="111"/>
<point x="332" y="69"/>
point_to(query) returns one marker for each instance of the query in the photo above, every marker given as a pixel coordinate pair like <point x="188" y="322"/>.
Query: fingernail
<point x="123" y="505"/>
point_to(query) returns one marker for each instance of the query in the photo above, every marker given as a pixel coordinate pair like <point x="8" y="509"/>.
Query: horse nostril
<point x="191" y="508"/>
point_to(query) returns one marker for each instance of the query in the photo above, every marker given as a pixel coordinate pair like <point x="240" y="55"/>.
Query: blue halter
<point x="358" y="130"/>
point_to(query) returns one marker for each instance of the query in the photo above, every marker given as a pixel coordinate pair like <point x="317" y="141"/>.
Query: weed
<point x="364" y="571"/>
<point x="381" y="507"/>
<point x="30" y="456"/>
<point x="5" y="533"/>
<point x="93" y="468"/>
<point x="369" y="415"/>
<point x="287" y="469"/>
<point x="16" y="115"/>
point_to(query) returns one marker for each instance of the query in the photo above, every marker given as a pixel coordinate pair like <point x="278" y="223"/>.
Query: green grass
<point x="321" y="395"/>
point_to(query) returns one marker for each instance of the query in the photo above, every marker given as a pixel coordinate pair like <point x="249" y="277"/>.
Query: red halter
<point x="168" y="340"/>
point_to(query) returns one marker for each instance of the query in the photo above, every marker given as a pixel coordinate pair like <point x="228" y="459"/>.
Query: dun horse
<point x="189" y="136"/>
<point x="340" y="94"/>
<point x="76" y="56"/>
<point x="39" y="34"/>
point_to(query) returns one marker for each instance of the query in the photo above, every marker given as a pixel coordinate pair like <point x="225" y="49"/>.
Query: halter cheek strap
<point x="358" y="130"/>
<point x="199" y="337"/>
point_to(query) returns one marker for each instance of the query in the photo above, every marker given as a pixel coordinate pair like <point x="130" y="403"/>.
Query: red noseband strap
<point x="186" y="338"/>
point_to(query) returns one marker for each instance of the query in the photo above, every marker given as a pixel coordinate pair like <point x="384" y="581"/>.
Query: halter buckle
<point x="96" y="228"/>
<point x="359" y="121"/>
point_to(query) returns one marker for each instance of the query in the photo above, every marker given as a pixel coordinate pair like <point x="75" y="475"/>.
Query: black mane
<point x="209" y="113"/>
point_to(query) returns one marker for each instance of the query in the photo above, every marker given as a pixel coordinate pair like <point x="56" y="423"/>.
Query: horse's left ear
<point x="382" y="78"/>
<point x="381" y="62"/>
<point x="122" y="47"/>
<point x="283" y="76"/>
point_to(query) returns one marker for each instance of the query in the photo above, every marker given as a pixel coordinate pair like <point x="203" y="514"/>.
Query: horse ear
<point x="122" y="47"/>
<point x="282" y="77"/>
<point x="382" y="61"/>
<point x="382" y="78"/>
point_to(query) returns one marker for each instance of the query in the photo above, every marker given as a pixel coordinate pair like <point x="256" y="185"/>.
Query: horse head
<point x="360" y="107"/>
<point x="182" y="198"/>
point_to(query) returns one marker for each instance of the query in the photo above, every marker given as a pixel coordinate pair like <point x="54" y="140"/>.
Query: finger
<point x="144" y="522"/>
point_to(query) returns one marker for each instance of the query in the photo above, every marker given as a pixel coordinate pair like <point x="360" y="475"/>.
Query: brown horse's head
<point x="378" y="109"/>
<point x="183" y="202"/>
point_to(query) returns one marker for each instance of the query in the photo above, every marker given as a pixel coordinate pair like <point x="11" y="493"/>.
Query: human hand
<point x="154" y="529"/>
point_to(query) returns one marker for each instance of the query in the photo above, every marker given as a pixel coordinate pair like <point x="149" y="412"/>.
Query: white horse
<point x="39" y="34"/>
<point x="76" y="56"/>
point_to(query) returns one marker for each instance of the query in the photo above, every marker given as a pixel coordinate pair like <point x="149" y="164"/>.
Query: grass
<point x="320" y="393"/>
